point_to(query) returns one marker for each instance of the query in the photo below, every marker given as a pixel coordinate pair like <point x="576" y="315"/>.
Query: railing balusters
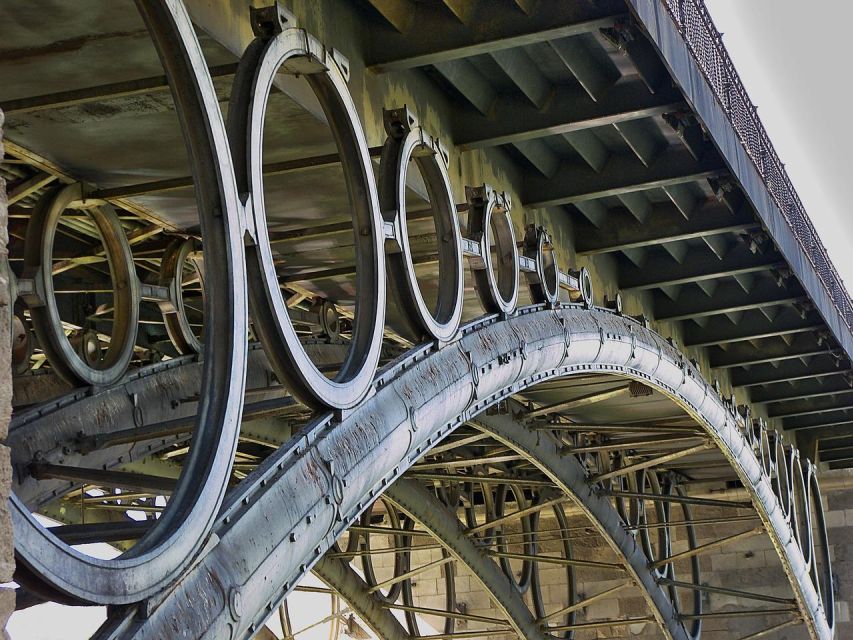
<point x="694" y="23"/>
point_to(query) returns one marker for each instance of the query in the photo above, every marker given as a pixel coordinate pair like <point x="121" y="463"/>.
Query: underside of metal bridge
<point x="466" y="318"/>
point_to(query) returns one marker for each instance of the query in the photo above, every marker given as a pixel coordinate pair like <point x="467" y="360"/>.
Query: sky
<point x="794" y="60"/>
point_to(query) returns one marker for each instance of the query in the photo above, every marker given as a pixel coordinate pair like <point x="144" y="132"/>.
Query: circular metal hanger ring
<point x="489" y="220"/>
<point x="47" y="322"/>
<point x="545" y="283"/>
<point x="442" y="323"/>
<point x="585" y="294"/>
<point x="297" y="52"/>
<point x="163" y="553"/>
<point x="177" y="323"/>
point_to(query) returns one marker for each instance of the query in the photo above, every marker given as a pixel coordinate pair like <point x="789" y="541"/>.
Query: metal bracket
<point x="268" y="22"/>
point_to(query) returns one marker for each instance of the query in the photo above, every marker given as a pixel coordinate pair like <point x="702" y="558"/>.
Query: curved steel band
<point x="294" y="51"/>
<point x="407" y="141"/>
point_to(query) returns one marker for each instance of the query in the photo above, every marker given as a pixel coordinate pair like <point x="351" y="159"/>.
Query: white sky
<point x="794" y="59"/>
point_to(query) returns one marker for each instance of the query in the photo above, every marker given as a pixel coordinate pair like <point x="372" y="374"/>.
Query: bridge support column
<point x="7" y="557"/>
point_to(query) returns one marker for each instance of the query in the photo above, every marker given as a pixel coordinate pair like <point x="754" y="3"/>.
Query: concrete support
<point x="7" y="555"/>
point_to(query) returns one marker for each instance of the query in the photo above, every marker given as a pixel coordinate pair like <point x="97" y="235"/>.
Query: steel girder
<point x="320" y="481"/>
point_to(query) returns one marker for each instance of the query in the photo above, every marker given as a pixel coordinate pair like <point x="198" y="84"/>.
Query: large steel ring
<point x="294" y="51"/>
<point x="163" y="553"/>
<point x="47" y="322"/>
<point x="407" y="141"/>
<point x="489" y="222"/>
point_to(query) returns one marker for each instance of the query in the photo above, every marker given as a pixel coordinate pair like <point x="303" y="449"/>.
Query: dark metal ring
<point x="489" y="221"/>
<point x="47" y="322"/>
<point x="407" y="141"/>
<point x="175" y="318"/>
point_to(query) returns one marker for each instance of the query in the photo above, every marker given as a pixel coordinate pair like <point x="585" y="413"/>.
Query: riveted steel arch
<point x="422" y="399"/>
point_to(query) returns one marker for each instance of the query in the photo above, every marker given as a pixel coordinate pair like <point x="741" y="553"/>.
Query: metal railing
<point x="695" y="25"/>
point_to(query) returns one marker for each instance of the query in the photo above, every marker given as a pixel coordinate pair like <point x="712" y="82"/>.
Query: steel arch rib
<point x="320" y="481"/>
<point x="543" y="450"/>
<point x="412" y="498"/>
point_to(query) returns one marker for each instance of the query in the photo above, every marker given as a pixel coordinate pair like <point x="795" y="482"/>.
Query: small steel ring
<point x="442" y="323"/>
<point x="177" y="324"/>
<point x="584" y="293"/>
<point x="496" y="284"/>
<point x="47" y="322"/>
